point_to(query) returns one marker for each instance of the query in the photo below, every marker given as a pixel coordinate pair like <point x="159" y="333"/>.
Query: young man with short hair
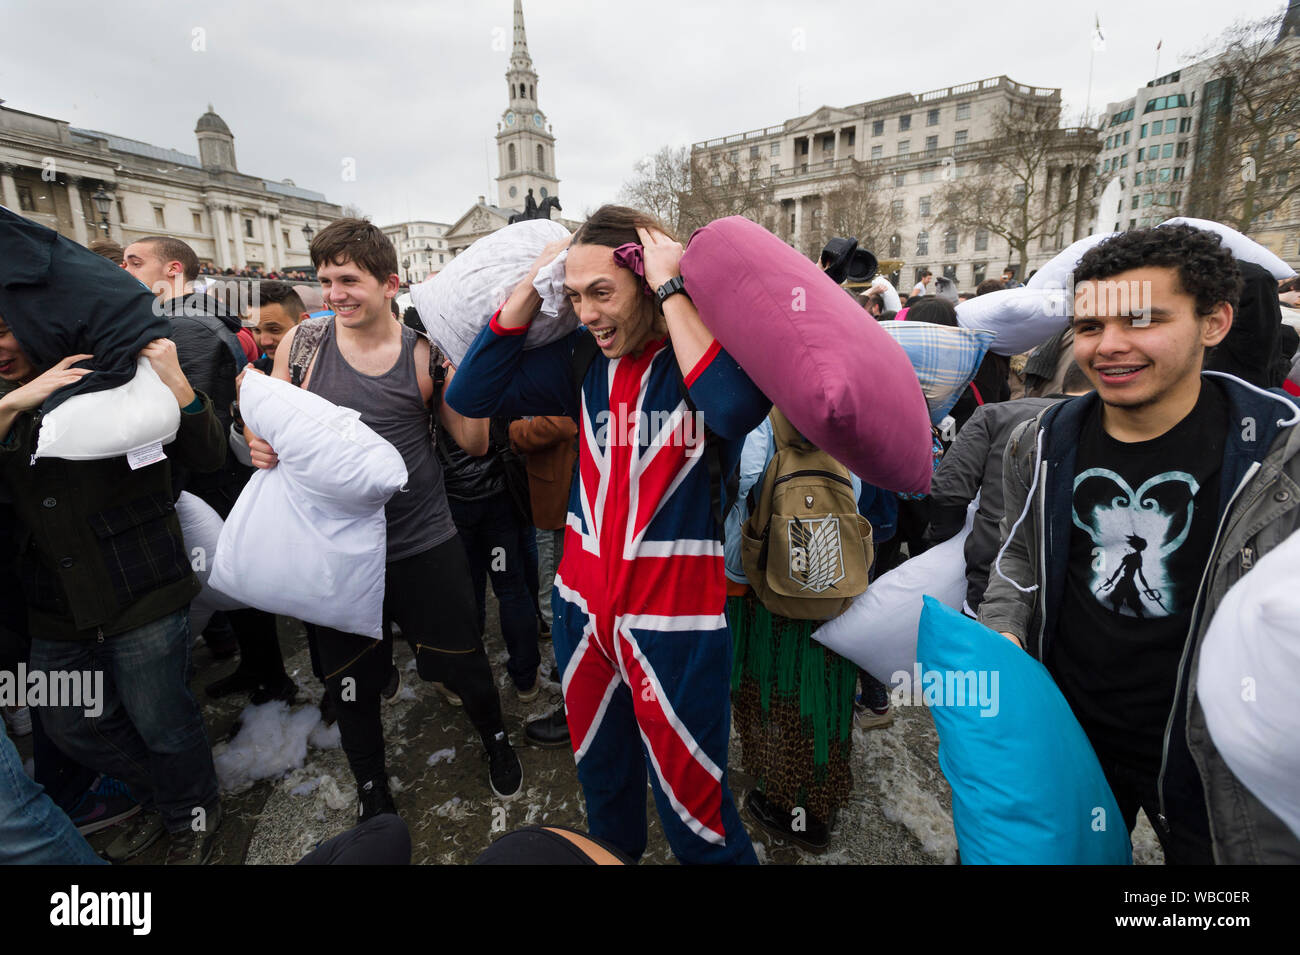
<point x="923" y="283"/>
<point x="1129" y="514"/>
<point x="367" y="360"/>
<point x="277" y="309"/>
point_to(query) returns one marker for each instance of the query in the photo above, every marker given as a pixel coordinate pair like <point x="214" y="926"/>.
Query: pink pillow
<point x="837" y="375"/>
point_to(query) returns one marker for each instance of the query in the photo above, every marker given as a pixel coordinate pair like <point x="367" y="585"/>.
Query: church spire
<point x="519" y="58"/>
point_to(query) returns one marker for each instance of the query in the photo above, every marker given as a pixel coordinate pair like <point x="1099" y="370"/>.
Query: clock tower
<point x="525" y="146"/>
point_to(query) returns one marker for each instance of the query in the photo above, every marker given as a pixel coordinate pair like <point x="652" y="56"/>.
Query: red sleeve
<point x="703" y="363"/>
<point x="249" y="344"/>
<point x="498" y="330"/>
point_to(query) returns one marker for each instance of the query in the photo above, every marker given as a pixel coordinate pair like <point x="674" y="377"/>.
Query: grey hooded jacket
<point x="1259" y="508"/>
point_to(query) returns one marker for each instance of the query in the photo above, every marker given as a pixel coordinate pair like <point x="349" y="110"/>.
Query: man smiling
<point x="1129" y="513"/>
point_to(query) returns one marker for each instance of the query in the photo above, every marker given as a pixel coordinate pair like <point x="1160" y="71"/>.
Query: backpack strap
<point x="306" y="342"/>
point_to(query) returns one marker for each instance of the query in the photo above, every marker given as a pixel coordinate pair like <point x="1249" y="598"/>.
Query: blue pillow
<point x="1026" y="786"/>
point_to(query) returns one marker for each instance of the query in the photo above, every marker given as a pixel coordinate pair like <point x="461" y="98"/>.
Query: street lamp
<point x="102" y="201"/>
<point x="308" y="232"/>
<point x="406" y="267"/>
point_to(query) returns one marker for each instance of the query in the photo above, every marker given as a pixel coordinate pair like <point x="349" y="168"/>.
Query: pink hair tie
<point x="631" y="256"/>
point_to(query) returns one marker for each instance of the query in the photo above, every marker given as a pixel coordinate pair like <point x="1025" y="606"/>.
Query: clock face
<point x="537" y="120"/>
<point x="510" y="118"/>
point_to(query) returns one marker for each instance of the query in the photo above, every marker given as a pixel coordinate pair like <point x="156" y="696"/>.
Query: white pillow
<point x="1244" y="248"/>
<point x="201" y="529"/>
<point x="455" y="304"/>
<point x="109" y="424"/>
<point x="879" y="629"/>
<point x="1247" y="676"/>
<point x="1022" y="318"/>
<point x="1056" y="273"/>
<point x="308" y="538"/>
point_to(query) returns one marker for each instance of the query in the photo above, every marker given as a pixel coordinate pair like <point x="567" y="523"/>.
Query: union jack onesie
<point x="640" y="632"/>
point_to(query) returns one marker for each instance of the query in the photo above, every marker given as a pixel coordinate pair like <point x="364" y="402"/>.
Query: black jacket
<point x="1253" y="348"/>
<point x="211" y="357"/>
<point x="60" y="299"/>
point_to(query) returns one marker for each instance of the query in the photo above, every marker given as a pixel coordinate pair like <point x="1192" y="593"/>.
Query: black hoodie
<point x="1253" y="349"/>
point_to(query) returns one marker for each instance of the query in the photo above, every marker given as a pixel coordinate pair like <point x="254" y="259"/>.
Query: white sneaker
<point x="447" y="695"/>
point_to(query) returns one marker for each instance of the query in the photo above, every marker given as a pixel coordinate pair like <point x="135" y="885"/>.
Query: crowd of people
<point x="626" y="551"/>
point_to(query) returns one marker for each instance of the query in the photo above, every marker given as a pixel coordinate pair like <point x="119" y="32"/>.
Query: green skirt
<point x="792" y="704"/>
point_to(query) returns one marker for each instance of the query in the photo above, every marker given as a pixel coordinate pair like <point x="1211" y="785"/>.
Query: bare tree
<point x="1032" y="185"/>
<point x="861" y="206"/>
<point x="1247" y="161"/>
<point x="688" y="188"/>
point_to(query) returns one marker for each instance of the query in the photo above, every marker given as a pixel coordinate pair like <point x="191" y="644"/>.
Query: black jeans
<point x="430" y="598"/>
<point x="1134" y="790"/>
<point x="493" y="533"/>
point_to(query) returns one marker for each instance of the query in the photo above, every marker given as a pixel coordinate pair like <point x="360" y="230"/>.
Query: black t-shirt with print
<point x="1144" y="517"/>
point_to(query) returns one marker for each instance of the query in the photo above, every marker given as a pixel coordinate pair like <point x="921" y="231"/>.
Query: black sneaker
<point x="195" y="848"/>
<point x="239" y="681"/>
<point x="287" y="691"/>
<point x="549" y="732"/>
<point x="807" y="832"/>
<point x="375" y="799"/>
<point x="505" y="774"/>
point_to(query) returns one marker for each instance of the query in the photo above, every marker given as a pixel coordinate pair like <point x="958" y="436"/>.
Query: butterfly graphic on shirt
<point x="1134" y="535"/>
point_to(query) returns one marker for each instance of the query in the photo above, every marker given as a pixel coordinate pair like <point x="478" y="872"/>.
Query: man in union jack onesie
<point x="640" y="632"/>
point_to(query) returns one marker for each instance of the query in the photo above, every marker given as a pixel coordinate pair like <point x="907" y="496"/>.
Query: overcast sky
<point x="412" y="91"/>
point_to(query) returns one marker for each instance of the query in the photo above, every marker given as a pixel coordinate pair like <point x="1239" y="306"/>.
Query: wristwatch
<point x="671" y="287"/>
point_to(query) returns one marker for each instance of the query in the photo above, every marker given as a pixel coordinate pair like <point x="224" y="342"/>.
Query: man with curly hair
<point x="1130" y="511"/>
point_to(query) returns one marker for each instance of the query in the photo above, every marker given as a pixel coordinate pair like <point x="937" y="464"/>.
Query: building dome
<point x="210" y="122"/>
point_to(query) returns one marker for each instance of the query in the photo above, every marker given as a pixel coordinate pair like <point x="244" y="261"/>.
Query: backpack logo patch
<point x="816" y="561"/>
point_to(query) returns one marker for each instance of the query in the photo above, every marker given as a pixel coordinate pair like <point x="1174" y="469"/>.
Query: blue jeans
<point x="150" y="733"/>
<point x="33" y="830"/>
<point x="489" y="528"/>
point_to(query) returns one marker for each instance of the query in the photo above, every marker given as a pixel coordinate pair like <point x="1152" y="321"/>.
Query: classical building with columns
<point x="84" y="183"/>
<point x="907" y="142"/>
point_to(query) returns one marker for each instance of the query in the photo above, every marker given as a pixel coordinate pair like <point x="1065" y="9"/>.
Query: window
<point x="904" y="147"/>
<point x="25" y="201"/>
<point x="1132" y="223"/>
<point x="1126" y="135"/>
<point x="1166" y="151"/>
<point x="717" y="180"/>
<point x="284" y="234"/>
<point x="978" y="272"/>
<point x="950" y="242"/>
<point x="776" y="149"/>
<point x="932" y="118"/>
<point x="1142" y="133"/>
<point x="905" y="122"/>
<point x="878" y="127"/>
<point x="1185" y="124"/>
<point x="850" y="135"/>
<point x="1157" y="128"/>
<point x="197" y="220"/>
<point x="248" y="228"/>
<point x="900" y="179"/>
<point x="1165" y="102"/>
<point x="931" y="144"/>
<point x="923" y="243"/>
<point x="1178" y="173"/>
<point x="1162" y="198"/>
<point x="1141" y="152"/>
<point x="963" y="110"/>
<point x="928" y="175"/>
<point x="1137" y="178"/>
<point x="1119" y="207"/>
<point x="121" y="211"/>
<point x="1123" y="161"/>
<point x="159" y="219"/>
<point x="1175" y="198"/>
<point x="753" y="152"/>
<point x="1133" y="203"/>
<point x="1018" y="194"/>
<point x="981" y="239"/>
<point x="1105" y="166"/>
<point x="1164" y="175"/>
<point x="510" y="156"/>
<point x="877" y="152"/>
<point x="896" y="209"/>
<point x="923" y="207"/>
<point x="733" y="156"/>
<point x="1146" y="200"/>
<point x="776" y="169"/>
<point x="1182" y="150"/>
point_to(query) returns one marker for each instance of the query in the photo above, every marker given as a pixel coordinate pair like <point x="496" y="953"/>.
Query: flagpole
<point x="1156" y="74"/>
<point x="1087" y="109"/>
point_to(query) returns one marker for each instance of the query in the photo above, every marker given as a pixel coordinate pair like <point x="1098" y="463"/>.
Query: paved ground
<point x="899" y="812"/>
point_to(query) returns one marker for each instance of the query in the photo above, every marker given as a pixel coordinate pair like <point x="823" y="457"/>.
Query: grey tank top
<point x="418" y="515"/>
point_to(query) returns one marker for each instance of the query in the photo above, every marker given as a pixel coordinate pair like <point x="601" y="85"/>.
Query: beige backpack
<point x="806" y="548"/>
